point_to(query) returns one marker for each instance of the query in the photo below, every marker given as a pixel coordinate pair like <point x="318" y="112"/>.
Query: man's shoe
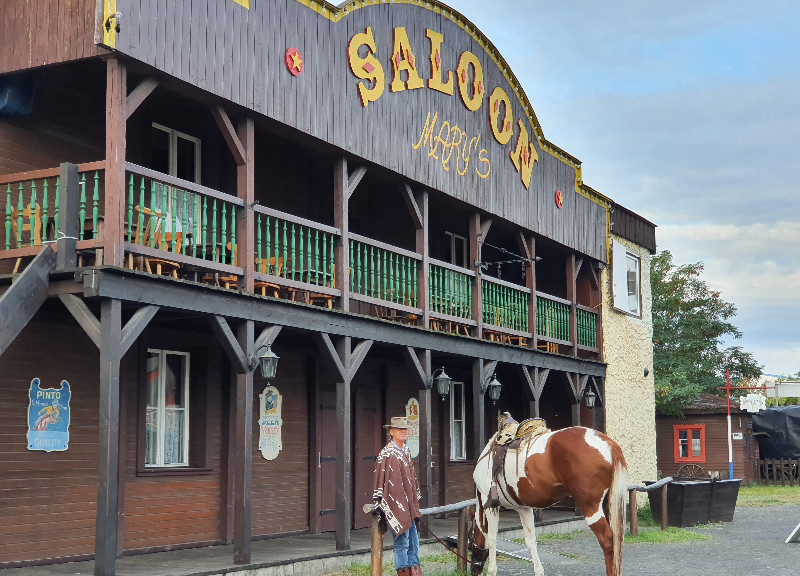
<point x="404" y="571"/>
<point x="415" y="571"/>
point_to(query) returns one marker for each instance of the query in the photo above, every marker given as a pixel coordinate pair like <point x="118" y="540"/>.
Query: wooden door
<point x="368" y="441"/>
<point x="327" y="460"/>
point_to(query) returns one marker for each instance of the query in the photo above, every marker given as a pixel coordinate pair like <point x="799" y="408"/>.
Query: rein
<point x="470" y="538"/>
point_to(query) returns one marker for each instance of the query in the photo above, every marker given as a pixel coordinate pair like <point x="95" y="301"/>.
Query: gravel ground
<point x="752" y="545"/>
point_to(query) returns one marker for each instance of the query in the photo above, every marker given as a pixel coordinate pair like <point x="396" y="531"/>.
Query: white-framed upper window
<point x="167" y="418"/>
<point x="457" y="249"/>
<point x="626" y="279"/>
<point x="458" y="433"/>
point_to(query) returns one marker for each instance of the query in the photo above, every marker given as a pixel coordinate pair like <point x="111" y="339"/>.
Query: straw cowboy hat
<point x="399" y="422"/>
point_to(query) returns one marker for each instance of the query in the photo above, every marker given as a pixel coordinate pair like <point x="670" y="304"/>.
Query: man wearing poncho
<point x="397" y="494"/>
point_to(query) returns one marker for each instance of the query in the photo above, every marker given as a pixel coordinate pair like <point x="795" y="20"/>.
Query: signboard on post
<point x="412" y="413"/>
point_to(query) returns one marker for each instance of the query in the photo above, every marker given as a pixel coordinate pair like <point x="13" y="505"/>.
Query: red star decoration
<point x="396" y="60"/>
<point x="507" y="126"/>
<point x="410" y="58"/>
<point x="463" y="75"/>
<point x="438" y="61"/>
<point x="368" y="67"/>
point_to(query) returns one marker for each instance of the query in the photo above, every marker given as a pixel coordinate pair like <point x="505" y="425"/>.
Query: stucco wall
<point x="630" y="398"/>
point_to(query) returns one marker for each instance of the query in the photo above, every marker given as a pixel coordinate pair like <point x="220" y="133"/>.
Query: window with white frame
<point x="167" y="411"/>
<point x="626" y="279"/>
<point x="458" y="433"/>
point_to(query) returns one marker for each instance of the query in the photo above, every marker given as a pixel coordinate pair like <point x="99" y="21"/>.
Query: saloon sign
<point x="444" y="139"/>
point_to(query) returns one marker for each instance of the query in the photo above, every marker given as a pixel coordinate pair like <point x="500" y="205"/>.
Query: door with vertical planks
<point x="327" y="460"/>
<point x="368" y="440"/>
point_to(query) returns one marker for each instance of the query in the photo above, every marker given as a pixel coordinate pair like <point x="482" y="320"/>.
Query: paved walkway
<point x="307" y="554"/>
<point x="752" y="545"/>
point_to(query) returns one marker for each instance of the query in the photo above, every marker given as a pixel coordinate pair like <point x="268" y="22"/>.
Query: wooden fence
<point x="781" y="471"/>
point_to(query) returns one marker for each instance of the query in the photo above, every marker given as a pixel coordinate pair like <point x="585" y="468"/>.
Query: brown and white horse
<point x="577" y="462"/>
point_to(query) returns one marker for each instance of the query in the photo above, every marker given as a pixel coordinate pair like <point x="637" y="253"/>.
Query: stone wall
<point x="628" y="351"/>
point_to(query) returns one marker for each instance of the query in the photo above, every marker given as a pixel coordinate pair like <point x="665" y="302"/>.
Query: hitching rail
<point x="376" y="563"/>
<point x="633" y="489"/>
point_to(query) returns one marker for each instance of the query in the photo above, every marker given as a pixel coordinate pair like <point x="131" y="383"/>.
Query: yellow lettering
<point x="368" y="68"/>
<point x="427" y="131"/>
<point x="403" y="60"/>
<point x="435" y="81"/>
<point x="452" y="144"/>
<point x="436" y="141"/>
<point x="470" y="84"/>
<point x="524" y="155"/>
<point x="467" y="153"/>
<point x="502" y="133"/>
<point x="482" y="158"/>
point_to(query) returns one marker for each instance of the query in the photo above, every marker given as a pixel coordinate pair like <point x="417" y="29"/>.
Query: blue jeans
<point x="406" y="548"/>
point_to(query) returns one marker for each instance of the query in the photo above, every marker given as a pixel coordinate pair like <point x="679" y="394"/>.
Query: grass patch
<point x="756" y="495"/>
<point x="670" y="535"/>
<point x="550" y="537"/>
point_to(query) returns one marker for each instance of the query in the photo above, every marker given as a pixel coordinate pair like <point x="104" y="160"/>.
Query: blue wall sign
<point x="48" y="417"/>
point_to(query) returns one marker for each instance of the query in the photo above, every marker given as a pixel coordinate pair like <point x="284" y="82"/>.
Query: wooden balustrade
<point x="383" y="272"/>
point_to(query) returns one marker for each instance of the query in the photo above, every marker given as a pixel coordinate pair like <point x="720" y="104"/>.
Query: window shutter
<point x="619" y="275"/>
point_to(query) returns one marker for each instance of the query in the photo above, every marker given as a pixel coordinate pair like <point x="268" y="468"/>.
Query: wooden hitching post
<point x="463" y="520"/>
<point x="664" y="509"/>
<point x="376" y="566"/>
<point x="633" y="511"/>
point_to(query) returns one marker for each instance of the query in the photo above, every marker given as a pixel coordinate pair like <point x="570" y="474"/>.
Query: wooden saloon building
<point x="188" y="186"/>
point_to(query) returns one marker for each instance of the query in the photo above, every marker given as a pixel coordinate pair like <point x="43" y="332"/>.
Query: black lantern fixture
<point x="591" y="397"/>
<point x="442" y="381"/>
<point x="267" y="360"/>
<point x="493" y="386"/>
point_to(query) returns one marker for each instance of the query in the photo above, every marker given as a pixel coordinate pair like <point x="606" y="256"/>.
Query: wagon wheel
<point x="691" y="471"/>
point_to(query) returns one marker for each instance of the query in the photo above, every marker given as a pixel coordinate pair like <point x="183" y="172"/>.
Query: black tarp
<point x="778" y="432"/>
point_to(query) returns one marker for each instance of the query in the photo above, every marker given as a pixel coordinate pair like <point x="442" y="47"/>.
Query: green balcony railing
<point x="294" y="248"/>
<point x="450" y="291"/>
<point x="552" y="318"/>
<point x="383" y="272"/>
<point x="504" y="305"/>
<point x="177" y="216"/>
<point x="30" y="207"/>
<point x="587" y="327"/>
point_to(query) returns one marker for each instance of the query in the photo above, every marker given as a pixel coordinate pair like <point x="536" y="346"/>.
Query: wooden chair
<point x="326" y="299"/>
<point x="148" y="231"/>
<point x="35" y="235"/>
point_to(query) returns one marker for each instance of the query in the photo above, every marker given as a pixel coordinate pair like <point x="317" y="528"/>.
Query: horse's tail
<point x="618" y="496"/>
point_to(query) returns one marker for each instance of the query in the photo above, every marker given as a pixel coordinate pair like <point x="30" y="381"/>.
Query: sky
<point x="687" y="113"/>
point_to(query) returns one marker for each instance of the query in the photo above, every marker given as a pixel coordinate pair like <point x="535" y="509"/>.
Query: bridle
<point x="479" y="555"/>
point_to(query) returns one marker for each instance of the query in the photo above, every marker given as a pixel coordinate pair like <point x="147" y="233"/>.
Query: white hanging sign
<point x="412" y="413"/>
<point x="269" y="424"/>
<point x="753" y="402"/>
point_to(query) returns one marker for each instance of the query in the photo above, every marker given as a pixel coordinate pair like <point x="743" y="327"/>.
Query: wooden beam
<point x="243" y="452"/>
<point x="267" y="337"/>
<point x="85" y="318"/>
<point x="111" y="283"/>
<point x="478" y="409"/>
<point x="341" y="220"/>
<point x="235" y="353"/>
<point x="245" y="217"/>
<point x="134" y="327"/>
<point x="106" y="528"/>
<point x="114" y="208"/>
<point x="413" y="207"/>
<point x="578" y="264"/>
<point x="357" y="357"/>
<point x="354" y="179"/>
<point x="24" y="297"/>
<point x="326" y="344"/>
<point x="422" y="246"/>
<point x="425" y="447"/>
<point x="421" y="364"/>
<point x="475" y="242"/>
<point x="485" y="225"/>
<point x="229" y="134"/>
<point x="488" y="369"/>
<point x="139" y="95"/>
<point x="68" y="209"/>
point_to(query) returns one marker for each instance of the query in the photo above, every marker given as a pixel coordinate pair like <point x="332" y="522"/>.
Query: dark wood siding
<point x="238" y="54"/>
<point x="48" y="499"/>
<point x="46" y="32"/>
<point x="280" y="486"/>
<point x="633" y="227"/>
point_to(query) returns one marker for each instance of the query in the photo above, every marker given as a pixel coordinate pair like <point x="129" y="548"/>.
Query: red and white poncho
<point x="396" y="487"/>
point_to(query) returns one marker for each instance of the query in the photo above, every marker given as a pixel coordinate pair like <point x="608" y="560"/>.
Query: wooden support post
<point x="243" y="451"/>
<point x="105" y="547"/>
<point x="343" y="452"/>
<point x="572" y="297"/>
<point x="116" y="116"/>
<point x="418" y="206"/>
<point x="245" y="217"/>
<point x="376" y="546"/>
<point x="475" y="242"/>
<point x="633" y="513"/>
<point x="527" y="244"/>
<point x="664" y="507"/>
<point x="463" y="523"/>
<point x="421" y="363"/>
<point x="341" y="218"/>
<point x="68" y="204"/>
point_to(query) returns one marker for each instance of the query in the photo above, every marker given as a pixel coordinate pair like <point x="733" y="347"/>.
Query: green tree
<point x="689" y="323"/>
